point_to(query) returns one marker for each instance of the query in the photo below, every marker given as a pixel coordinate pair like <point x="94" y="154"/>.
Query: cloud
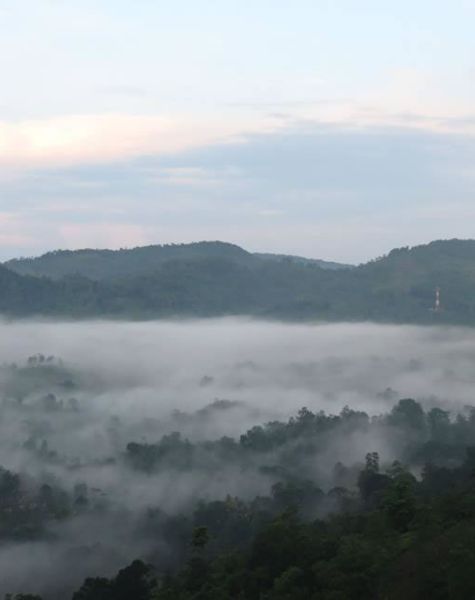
<point x="271" y="212"/>
<point x="99" y="138"/>
<point x="123" y="90"/>
<point x="110" y="235"/>
<point x="87" y="139"/>
<point x="339" y="192"/>
<point x="190" y="176"/>
<point x="11" y="231"/>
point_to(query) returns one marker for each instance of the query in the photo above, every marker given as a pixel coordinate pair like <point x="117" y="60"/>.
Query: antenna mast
<point x="437" y="306"/>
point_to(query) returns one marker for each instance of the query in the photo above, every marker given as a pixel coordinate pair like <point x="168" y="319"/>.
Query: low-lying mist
<point x="85" y="404"/>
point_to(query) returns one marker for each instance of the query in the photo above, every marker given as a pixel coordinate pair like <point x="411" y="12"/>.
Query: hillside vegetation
<point x="215" y="278"/>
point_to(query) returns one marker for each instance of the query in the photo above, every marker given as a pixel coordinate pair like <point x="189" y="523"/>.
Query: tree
<point x="200" y="538"/>
<point x="371" y="482"/>
<point x="94" y="588"/>
<point x="439" y="424"/>
<point x="399" y="501"/>
<point x="408" y="414"/>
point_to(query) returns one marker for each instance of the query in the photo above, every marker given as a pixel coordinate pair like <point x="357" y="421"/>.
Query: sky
<point x="334" y="129"/>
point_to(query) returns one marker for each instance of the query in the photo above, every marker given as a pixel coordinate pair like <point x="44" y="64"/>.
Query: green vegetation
<point x="214" y="279"/>
<point x="118" y="264"/>
<point x="402" y="529"/>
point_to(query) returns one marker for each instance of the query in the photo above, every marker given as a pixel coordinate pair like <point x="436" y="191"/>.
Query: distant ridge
<point x="115" y="264"/>
<point x="324" y="264"/>
<point x="208" y="279"/>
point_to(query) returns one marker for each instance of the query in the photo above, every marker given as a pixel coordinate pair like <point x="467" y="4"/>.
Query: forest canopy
<point x="267" y="461"/>
<point x="209" y="279"/>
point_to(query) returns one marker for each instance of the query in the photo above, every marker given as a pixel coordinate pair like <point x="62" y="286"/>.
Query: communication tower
<point x="437" y="306"/>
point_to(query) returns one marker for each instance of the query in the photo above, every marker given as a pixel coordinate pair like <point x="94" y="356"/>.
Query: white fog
<point x="136" y="382"/>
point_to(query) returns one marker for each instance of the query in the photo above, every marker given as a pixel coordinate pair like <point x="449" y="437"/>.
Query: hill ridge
<point x="224" y="279"/>
<point x="97" y="263"/>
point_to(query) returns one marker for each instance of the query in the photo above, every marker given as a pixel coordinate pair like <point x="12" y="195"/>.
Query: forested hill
<point x="116" y="264"/>
<point x="324" y="264"/>
<point x="213" y="279"/>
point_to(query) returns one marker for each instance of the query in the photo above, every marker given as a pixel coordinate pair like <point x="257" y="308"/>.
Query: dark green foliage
<point x="97" y="588"/>
<point x="39" y="374"/>
<point x="408" y="414"/>
<point x="119" y="264"/>
<point x="400" y="537"/>
<point x="381" y="533"/>
<point x="213" y="278"/>
<point x="200" y="538"/>
<point x="26" y="510"/>
<point x="22" y="597"/>
<point x="171" y="451"/>
<point x="371" y="482"/>
<point x="407" y="546"/>
<point x="134" y="582"/>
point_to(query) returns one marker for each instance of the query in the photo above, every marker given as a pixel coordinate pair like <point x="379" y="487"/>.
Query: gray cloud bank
<point x="330" y="191"/>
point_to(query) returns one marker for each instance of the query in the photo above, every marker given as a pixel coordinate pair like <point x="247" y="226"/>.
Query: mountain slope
<point x="117" y="264"/>
<point x="411" y="276"/>
<point x="221" y="279"/>
<point x="23" y="295"/>
<point x="324" y="264"/>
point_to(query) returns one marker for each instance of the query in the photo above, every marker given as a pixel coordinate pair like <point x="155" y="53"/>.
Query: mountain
<point x="213" y="278"/>
<point x="408" y="277"/>
<point x="117" y="264"/>
<point x="25" y="295"/>
<point x="324" y="264"/>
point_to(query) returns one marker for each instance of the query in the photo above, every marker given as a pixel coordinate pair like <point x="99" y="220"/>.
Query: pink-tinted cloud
<point x="79" y="139"/>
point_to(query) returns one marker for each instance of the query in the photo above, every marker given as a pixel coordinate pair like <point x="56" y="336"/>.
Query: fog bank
<point x="90" y="388"/>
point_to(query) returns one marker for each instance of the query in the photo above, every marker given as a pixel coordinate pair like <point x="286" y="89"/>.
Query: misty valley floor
<point x="118" y="440"/>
